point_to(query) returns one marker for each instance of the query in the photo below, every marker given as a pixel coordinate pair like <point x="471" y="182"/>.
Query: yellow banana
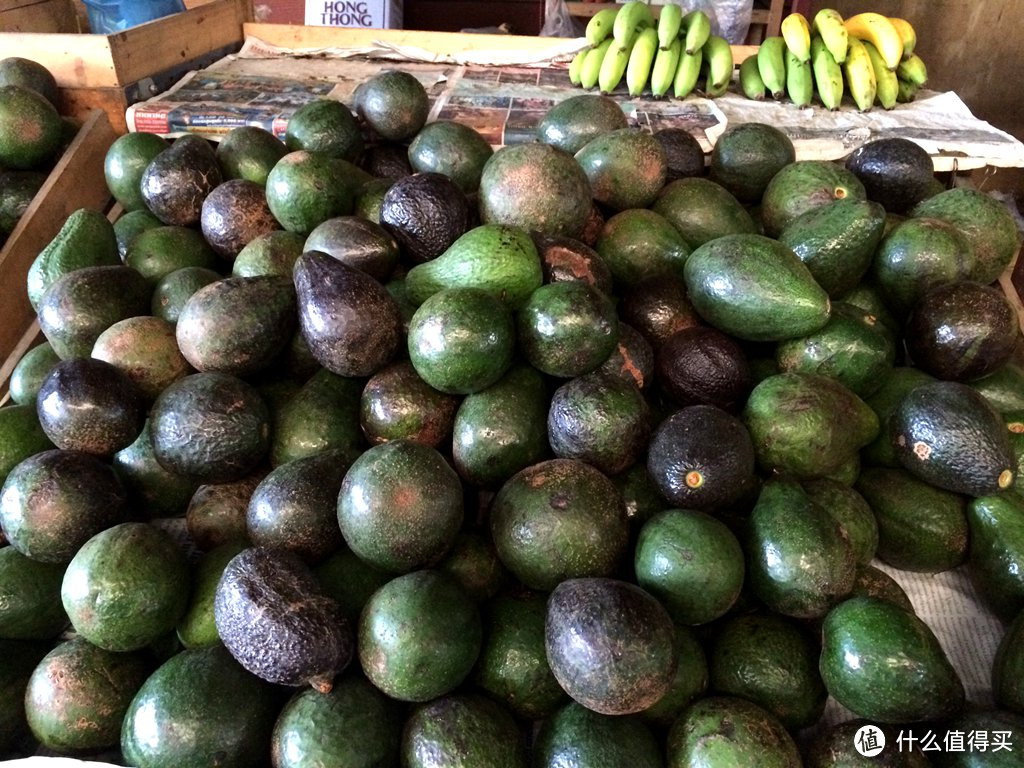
<point x="907" y="33"/>
<point x="600" y="25"/>
<point x="771" y="63"/>
<point x="696" y="28"/>
<point x="718" y="56"/>
<point x="886" y="86"/>
<point x="750" y="79"/>
<point x="913" y="69"/>
<point x="828" y="23"/>
<point x="641" y="59"/>
<point x="907" y="91"/>
<point x="797" y="34"/>
<point x="669" y="23"/>
<point x="591" y="68"/>
<point x="576" y="66"/>
<point x="687" y="73"/>
<point x="664" y="70"/>
<point x="828" y="76"/>
<point x="613" y="67"/>
<point x="799" y="80"/>
<point x="632" y="17"/>
<point x="860" y="75"/>
<point x="878" y="30"/>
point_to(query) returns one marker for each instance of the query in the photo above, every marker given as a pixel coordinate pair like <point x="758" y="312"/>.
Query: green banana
<point x="632" y="17"/>
<point x="828" y="76"/>
<point x="913" y="70"/>
<point x="664" y="70"/>
<point x="799" y="80"/>
<point x="669" y="23"/>
<point x="687" y="73"/>
<point x="591" y="68"/>
<point x="613" y="67"/>
<point x="907" y="91"/>
<point x="771" y="63"/>
<point x="860" y="75"/>
<point x="718" y="56"/>
<point x="576" y="66"/>
<point x="696" y="28"/>
<point x="641" y="59"/>
<point x="828" y="23"/>
<point x="750" y="79"/>
<point x="887" y="87"/>
<point x="600" y="25"/>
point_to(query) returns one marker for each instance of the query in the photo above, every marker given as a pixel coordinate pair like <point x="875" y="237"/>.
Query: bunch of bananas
<point x="869" y="56"/>
<point x="671" y="53"/>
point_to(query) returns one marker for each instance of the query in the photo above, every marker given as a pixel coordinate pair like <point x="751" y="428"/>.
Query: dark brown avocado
<point x="177" y="181"/>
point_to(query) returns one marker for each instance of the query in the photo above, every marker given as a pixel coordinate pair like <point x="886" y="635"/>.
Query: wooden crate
<point x="111" y="72"/>
<point x="75" y="182"/>
<point x="37" y="16"/>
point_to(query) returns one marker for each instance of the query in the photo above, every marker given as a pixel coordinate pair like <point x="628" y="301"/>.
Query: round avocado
<point x="326" y="126"/>
<point x="684" y="156"/>
<point x="179" y="178"/>
<point x="462" y="731"/>
<point x="575" y="736"/>
<point x="895" y="172"/>
<point x="249" y="152"/>
<point x="572" y="122"/>
<point x="234" y="213"/>
<point x="30" y="129"/>
<point x="626" y="168"/>
<point x="16" y="70"/>
<point x="802" y="186"/>
<point x="394" y="104"/>
<point x="702" y="365"/>
<point x="454" y="149"/>
<point x="747" y="156"/>
<point x="358" y="243"/>
<point x="30" y="606"/>
<point x="425" y="213"/>
<point x="397" y="404"/>
<point x="126" y="161"/>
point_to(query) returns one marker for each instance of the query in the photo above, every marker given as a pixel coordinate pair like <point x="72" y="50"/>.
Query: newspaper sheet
<point x="504" y="94"/>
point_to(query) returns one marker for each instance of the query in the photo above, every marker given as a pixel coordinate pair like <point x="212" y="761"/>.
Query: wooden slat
<point x="110" y="61"/>
<point x="79" y="102"/>
<point x="75" y="182"/>
<point x="44" y="16"/>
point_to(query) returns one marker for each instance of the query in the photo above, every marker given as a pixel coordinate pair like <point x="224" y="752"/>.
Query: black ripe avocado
<point x="895" y="172"/>
<point x="177" y="181"/>
<point x="274" y="619"/>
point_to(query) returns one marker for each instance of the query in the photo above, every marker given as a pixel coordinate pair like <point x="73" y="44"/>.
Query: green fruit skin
<point x="200" y="708"/>
<point x="800" y="561"/>
<point x="894" y="387"/>
<point x="689" y="683"/>
<point x="394" y="103"/>
<point x="567" y="329"/>
<point x="946" y="434"/>
<point x="626" y="168"/>
<point x="837" y="241"/>
<point x="30" y="128"/>
<point x="513" y="666"/>
<point x="126" y="586"/>
<point x="806" y="425"/>
<point x="836" y="747"/>
<point x="400" y="506"/>
<point x="851" y="348"/>
<point x="1008" y="668"/>
<point x="152" y="489"/>
<point x="558" y="519"/>
<point x="702" y="210"/>
<point x="461" y="340"/>
<point x="462" y="731"/>
<point x="27" y="376"/>
<point x="157" y="252"/>
<point x="1004" y="731"/>
<point x="729" y="731"/>
<point x="848" y="508"/>
<point x="996" y="551"/>
<point x="1003" y="388"/>
<point x="419" y="636"/>
<point x="349" y="581"/>
<point x="78" y="695"/>
<point x="455" y="149"/>
<point x="303" y="190"/>
<point x="638" y="243"/>
<point x="273" y="253"/>
<point x="21" y="436"/>
<point x="124" y="164"/>
<point x="173" y="290"/>
<point x="499" y="259"/>
<point x="502" y="429"/>
<point x="323" y="415"/>
<point x="354" y="725"/>
<point x="326" y="126"/>
<point x="802" y="186"/>
<point x="920" y="528"/>
<point x="773" y="662"/>
<point x="575" y="736"/>
<point x="30" y="606"/>
<point x="692" y="563"/>
<point x="86" y="239"/>
<point x="755" y="288"/>
<point x="249" y="152"/>
<point x="883" y="663"/>
<point x="132" y="224"/>
<point x="874" y="582"/>
<point x="572" y="122"/>
<point x="197" y="627"/>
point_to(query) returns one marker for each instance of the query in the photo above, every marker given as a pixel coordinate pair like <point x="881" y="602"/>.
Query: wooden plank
<point x="79" y="102"/>
<point x="37" y="16"/>
<point x="110" y="61"/>
<point x="75" y="182"/>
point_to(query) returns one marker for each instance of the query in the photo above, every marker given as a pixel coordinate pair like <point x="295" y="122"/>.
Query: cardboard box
<point x="365" y="14"/>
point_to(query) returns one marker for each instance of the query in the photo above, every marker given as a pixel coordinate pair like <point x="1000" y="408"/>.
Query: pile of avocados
<point x="375" y="446"/>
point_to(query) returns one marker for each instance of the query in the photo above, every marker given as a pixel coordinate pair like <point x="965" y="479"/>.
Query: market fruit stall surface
<point x="602" y="458"/>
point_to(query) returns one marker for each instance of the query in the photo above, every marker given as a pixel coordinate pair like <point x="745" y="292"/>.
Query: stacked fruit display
<point x="668" y="54"/>
<point x="869" y="56"/>
<point x="571" y="453"/>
